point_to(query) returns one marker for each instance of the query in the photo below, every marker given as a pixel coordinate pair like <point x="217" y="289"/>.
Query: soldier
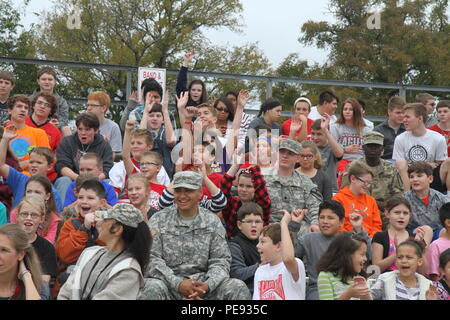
<point x="386" y="178"/>
<point x="290" y="190"/>
<point x="190" y="257"/>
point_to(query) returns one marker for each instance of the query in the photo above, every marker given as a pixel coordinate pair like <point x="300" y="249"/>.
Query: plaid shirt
<point x="261" y="197"/>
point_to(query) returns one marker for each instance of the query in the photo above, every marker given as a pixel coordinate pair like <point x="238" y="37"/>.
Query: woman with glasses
<point x="357" y="203"/>
<point x="311" y="164"/>
<point x="31" y="214"/>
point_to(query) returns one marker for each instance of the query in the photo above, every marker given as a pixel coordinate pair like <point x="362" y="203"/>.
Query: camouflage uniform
<point x="194" y="250"/>
<point x="294" y="192"/>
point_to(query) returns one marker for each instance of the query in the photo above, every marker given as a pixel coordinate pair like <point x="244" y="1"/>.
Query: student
<point x="429" y="102"/>
<point x="331" y="152"/>
<point x="196" y="90"/>
<point x="98" y="103"/>
<point x="112" y="272"/>
<point x="244" y="253"/>
<point x="7" y="84"/>
<point x="328" y="103"/>
<point x="27" y="137"/>
<point x="441" y="244"/>
<point x="71" y="211"/>
<point x="302" y="107"/>
<point x="367" y="122"/>
<point x="443" y="285"/>
<point x="91" y="163"/>
<point x="6" y="194"/>
<point x="41" y="160"/>
<point x="280" y="276"/>
<point x="138" y="192"/>
<point x="269" y="114"/>
<point x="156" y="119"/>
<point x="21" y="269"/>
<point x="405" y="283"/>
<point x="341" y="269"/>
<point x="141" y="141"/>
<point x="355" y="199"/>
<point x="425" y="201"/>
<point x="311" y="165"/>
<point x="43" y="109"/>
<point x="251" y="187"/>
<point x="72" y="148"/>
<point x="41" y="186"/>
<point x="46" y="78"/>
<point x="31" y="214"/>
<point x="246" y="118"/>
<point x="393" y="126"/>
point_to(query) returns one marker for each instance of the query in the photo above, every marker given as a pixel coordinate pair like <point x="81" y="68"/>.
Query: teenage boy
<point x="393" y="126"/>
<point x="244" y="254"/>
<point x="330" y="150"/>
<point x="7" y="84"/>
<point x="367" y="122"/>
<point x="27" y="137"/>
<point x="328" y="103"/>
<point x="418" y="143"/>
<point x="437" y="247"/>
<point x="280" y="276"/>
<point x="46" y="78"/>
<point x="429" y="102"/>
<point x="425" y="201"/>
<point x="152" y="92"/>
<point x="98" y="103"/>
<point x="311" y="246"/>
<point x="91" y="163"/>
<point x="72" y="148"/>
<point x="41" y="160"/>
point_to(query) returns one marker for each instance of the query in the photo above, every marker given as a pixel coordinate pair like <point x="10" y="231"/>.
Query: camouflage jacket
<point x="197" y="251"/>
<point x="423" y="214"/>
<point x="294" y="192"/>
<point x="386" y="180"/>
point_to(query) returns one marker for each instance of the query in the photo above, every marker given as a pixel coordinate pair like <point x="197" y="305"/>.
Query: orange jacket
<point x="71" y="241"/>
<point x="366" y="203"/>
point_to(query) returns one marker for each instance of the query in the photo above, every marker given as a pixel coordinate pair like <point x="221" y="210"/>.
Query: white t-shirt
<point x="430" y="147"/>
<point x="111" y="130"/>
<point x="314" y="115"/>
<point x="276" y="283"/>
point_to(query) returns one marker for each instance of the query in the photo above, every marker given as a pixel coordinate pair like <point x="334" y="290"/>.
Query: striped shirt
<point x="331" y="287"/>
<point x="402" y="292"/>
<point x="215" y="204"/>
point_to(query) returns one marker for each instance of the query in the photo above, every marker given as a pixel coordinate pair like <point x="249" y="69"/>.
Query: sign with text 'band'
<point x="145" y="73"/>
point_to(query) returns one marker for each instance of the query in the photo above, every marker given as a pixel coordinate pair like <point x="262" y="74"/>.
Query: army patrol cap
<point x="124" y="213"/>
<point x="290" y="145"/>
<point x="187" y="179"/>
<point x="373" y="137"/>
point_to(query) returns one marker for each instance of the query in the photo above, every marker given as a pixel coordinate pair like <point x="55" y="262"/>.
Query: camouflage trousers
<point x="229" y="289"/>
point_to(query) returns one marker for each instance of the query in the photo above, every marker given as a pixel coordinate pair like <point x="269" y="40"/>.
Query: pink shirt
<point x="52" y="229"/>
<point x="434" y="251"/>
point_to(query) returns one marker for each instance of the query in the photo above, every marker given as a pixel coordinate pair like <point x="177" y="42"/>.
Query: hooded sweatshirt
<point x="365" y="203"/>
<point x="70" y="150"/>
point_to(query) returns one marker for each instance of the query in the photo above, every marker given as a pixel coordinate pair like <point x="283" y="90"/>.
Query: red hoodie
<point x="365" y="203"/>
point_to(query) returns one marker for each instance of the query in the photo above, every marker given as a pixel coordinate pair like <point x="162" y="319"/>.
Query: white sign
<point x="145" y="73"/>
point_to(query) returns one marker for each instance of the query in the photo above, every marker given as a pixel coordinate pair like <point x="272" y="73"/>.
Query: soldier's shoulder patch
<point x="153" y="232"/>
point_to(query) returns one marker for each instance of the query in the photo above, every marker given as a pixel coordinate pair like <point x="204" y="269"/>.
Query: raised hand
<point x="432" y="293"/>
<point x="9" y="132"/>
<point x="286" y="216"/>
<point x="299" y="214"/>
<point x="188" y="58"/>
<point x="134" y="97"/>
<point x="182" y="100"/>
<point x="296" y="123"/>
<point x="129" y="126"/>
<point x="243" y="98"/>
<point x="325" y="121"/>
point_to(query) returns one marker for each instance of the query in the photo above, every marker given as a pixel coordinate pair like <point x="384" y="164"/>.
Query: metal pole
<point x="269" y="89"/>
<point x="402" y="92"/>
<point x="128" y="85"/>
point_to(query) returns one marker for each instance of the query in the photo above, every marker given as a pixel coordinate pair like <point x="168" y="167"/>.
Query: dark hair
<point x="420" y="167"/>
<point x="334" y="206"/>
<point x="204" y="96"/>
<point x="444" y="213"/>
<point x="357" y="118"/>
<point x="443" y="104"/>
<point x="444" y="258"/>
<point x="362" y="103"/>
<point x="157" y="107"/>
<point x="210" y="147"/>
<point x="18" y="98"/>
<point x="228" y="104"/>
<point x="337" y="259"/>
<point x="95" y="186"/>
<point x="391" y="203"/>
<point x="234" y="93"/>
<point x="260" y="127"/>
<point x="88" y="119"/>
<point x="139" y="242"/>
<point x="269" y="104"/>
<point x="419" y="246"/>
<point x="151" y="85"/>
<point x="48" y="70"/>
<point x="316" y="125"/>
<point x="248" y="208"/>
<point x="50" y="99"/>
<point x="327" y="96"/>
<point x="83" y="178"/>
<point x="9" y="76"/>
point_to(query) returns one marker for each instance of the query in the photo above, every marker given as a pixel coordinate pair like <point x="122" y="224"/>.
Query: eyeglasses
<point x="33" y="215"/>
<point x="307" y="156"/>
<point x="42" y="103"/>
<point x="143" y="164"/>
<point x="367" y="183"/>
<point x="93" y="105"/>
<point x="222" y="110"/>
<point x="252" y="221"/>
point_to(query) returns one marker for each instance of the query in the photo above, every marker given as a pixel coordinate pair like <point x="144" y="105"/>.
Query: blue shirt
<point x="17" y="181"/>
<point x="3" y="216"/>
<point x="111" y="196"/>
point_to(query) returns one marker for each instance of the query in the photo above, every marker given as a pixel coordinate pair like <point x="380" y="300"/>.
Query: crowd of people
<point x="227" y="206"/>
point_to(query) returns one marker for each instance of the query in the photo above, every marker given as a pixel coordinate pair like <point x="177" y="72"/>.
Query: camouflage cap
<point x="187" y="179"/>
<point x="290" y="145"/>
<point x="124" y="213"/>
<point x="373" y="137"/>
